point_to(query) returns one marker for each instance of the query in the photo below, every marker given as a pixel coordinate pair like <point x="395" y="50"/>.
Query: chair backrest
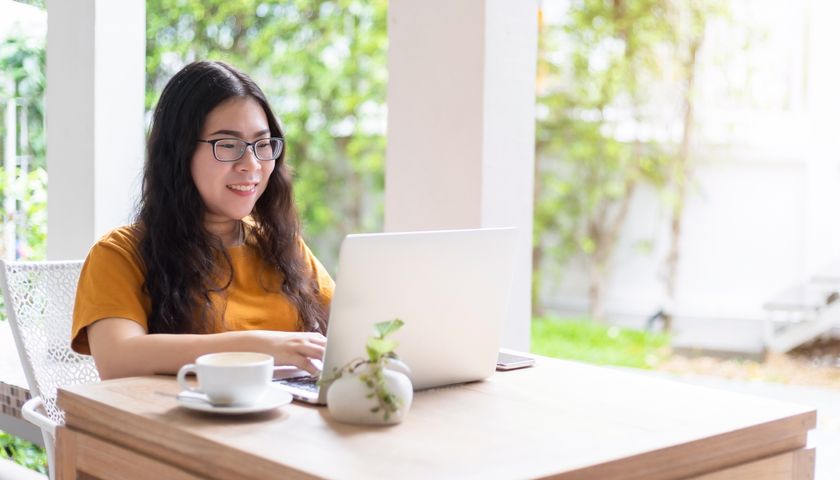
<point x="39" y="300"/>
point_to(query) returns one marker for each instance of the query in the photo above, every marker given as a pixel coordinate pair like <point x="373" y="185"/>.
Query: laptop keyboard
<point x="308" y="383"/>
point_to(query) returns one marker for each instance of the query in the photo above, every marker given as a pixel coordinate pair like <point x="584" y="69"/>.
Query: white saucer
<point x="272" y="398"/>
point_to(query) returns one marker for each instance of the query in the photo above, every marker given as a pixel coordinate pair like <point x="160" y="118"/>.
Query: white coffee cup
<point x="230" y="378"/>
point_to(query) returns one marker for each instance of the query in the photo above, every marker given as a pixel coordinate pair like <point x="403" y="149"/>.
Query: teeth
<point x="242" y="188"/>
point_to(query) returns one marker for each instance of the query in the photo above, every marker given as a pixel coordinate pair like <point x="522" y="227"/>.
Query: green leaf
<point x="378" y="347"/>
<point x="373" y="354"/>
<point x="386" y="328"/>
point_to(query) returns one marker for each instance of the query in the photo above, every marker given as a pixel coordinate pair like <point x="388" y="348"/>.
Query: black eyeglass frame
<point x="247" y="145"/>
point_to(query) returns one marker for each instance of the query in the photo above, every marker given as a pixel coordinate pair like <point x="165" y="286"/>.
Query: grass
<point x="23" y="453"/>
<point x="591" y="342"/>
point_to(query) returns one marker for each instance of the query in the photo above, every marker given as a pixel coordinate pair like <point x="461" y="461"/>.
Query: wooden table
<point x="560" y="419"/>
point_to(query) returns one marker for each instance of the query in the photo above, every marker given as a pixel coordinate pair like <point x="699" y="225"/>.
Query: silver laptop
<point x="452" y="289"/>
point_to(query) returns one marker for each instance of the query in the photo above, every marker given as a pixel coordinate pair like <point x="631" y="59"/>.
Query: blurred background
<point x="687" y="164"/>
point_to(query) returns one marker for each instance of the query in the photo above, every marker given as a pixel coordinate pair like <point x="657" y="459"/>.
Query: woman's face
<point x="230" y="189"/>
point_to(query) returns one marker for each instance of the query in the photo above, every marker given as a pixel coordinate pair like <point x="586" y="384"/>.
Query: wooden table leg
<point x="794" y="465"/>
<point x="83" y="457"/>
<point x="65" y="454"/>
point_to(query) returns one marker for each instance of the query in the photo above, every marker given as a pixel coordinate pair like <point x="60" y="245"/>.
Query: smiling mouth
<point x="250" y="187"/>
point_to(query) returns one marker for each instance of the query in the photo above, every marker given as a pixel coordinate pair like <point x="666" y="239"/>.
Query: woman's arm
<point x="123" y="348"/>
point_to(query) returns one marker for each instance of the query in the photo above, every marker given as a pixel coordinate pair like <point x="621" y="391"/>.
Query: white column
<point x="9" y="164"/>
<point x="461" y="118"/>
<point x="95" y="126"/>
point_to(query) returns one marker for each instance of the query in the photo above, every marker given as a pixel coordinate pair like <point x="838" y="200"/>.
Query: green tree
<point x="694" y="17"/>
<point x="22" y="81"/>
<point x="602" y="73"/>
<point x="322" y="65"/>
<point x="595" y="67"/>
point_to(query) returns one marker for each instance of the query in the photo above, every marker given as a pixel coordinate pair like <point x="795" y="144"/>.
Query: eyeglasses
<point x="232" y="149"/>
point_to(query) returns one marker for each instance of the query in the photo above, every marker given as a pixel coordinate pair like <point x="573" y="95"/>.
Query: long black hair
<point x="184" y="262"/>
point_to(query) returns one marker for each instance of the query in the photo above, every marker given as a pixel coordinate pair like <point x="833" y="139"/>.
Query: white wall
<point x="752" y="228"/>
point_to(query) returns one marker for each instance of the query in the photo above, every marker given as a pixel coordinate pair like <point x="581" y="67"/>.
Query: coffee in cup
<point x="230" y="378"/>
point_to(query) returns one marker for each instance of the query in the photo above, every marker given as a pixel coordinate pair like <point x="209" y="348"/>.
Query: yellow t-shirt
<point x="111" y="285"/>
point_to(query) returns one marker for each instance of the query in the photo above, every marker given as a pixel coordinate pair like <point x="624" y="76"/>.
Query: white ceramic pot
<point x="347" y="398"/>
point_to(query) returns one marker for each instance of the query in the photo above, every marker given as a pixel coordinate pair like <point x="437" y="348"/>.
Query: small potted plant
<point x="372" y="391"/>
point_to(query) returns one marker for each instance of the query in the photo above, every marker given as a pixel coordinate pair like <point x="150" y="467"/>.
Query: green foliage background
<point x="22" y="60"/>
<point x="23" y="453"/>
<point x="322" y="65"/>
<point x="607" y="73"/>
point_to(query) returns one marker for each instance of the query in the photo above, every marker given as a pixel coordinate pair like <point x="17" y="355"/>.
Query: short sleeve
<point x="326" y="285"/>
<point x="110" y="285"/>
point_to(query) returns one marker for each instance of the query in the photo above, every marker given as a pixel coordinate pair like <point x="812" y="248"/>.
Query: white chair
<point x="39" y="299"/>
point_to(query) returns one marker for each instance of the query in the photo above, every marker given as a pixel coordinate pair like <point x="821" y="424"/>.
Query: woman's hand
<point x="123" y="348"/>
<point x="292" y="348"/>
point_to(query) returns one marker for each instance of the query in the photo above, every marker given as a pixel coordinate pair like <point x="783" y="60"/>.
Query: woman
<point x="214" y="261"/>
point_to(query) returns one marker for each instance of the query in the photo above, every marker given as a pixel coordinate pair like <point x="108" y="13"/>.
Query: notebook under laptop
<point x="452" y="289"/>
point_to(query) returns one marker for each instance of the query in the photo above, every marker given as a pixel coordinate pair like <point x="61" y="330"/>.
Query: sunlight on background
<point x="760" y="214"/>
<point x="23" y="32"/>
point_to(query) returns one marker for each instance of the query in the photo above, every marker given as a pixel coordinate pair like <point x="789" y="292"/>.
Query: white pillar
<point x="95" y="126"/>
<point x="461" y="119"/>
<point x="9" y="167"/>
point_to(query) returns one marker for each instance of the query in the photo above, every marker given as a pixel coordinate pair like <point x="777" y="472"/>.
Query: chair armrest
<point x="31" y="411"/>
